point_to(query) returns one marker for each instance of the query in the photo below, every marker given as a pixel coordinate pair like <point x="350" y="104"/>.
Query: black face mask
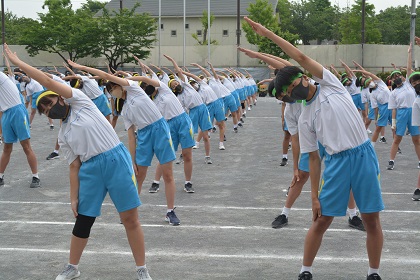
<point x="398" y="81"/>
<point x="300" y="92"/>
<point x="58" y="111"/>
<point x="417" y="89"/>
<point x="178" y="89"/>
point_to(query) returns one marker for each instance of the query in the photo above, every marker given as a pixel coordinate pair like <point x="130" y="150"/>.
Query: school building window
<point x="225" y="32"/>
<point x="173" y="33"/>
<point x="187" y="26"/>
<point x="199" y="33"/>
<point x="161" y="26"/>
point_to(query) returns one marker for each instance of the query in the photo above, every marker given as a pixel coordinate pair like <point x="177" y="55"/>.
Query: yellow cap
<point x="47" y="92"/>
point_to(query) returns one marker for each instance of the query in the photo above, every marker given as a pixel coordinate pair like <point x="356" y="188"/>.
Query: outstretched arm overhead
<point x="306" y="62"/>
<point x="368" y="74"/>
<point x="335" y="71"/>
<point x="212" y="70"/>
<point x="177" y="69"/>
<point x="207" y="73"/>
<point x="38" y="75"/>
<point x="277" y="64"/>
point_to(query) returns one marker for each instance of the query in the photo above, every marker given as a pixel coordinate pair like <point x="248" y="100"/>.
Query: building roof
<point x="194" y="8"/>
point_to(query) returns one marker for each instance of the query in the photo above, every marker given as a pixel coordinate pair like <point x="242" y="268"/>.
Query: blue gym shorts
<point x="109" y="172"/>
<point x="230" y="104"/>
<point x="235" y="94"/>
<point x="181" y="131"/>
<point x="15" y="124"/>
<point x="304" y="162"/>
<point x="216" y="111"/>
<point x="103" y="104"/>
<point x="384" y="115"/>
<point x="200" y="117"/>
<point x="404" y="122"/>
<point x="154" y="139"/>
<point x="357" y="100"/>
<point x="355" y="169"/>
<point x="242" y="94"/>
<point x="285" y="128"/>
<point x="371" y="112"/>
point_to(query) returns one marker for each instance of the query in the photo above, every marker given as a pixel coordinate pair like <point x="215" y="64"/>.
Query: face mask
<point x="160" y="77"/>
<point x="417" y="88"/>
<point x="398" y="81"/>
<point x="58" y="111"/>
<point x="372" y="85"/>
<point x="196" y="87"/>
<point x="300" y="92"/>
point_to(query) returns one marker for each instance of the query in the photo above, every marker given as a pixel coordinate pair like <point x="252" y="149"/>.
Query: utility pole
<point x="238" y="30"/>
<point x="412" y="32"/>
<point x="3" y="32"/>
<point x="122" y="55"/>
<point x="363" y="27"/>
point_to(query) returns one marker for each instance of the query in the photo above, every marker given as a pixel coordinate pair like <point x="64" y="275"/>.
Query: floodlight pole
<point x="363" y="27"/>
<point x="412" y="32"/>
<point x="208" y="29"/>
<point x="3" y="32"/>
<point x="185" y="42"/>
<point x="159" y="28"/>
<point x="122" y="55"/>
<point x="238" y="30"/>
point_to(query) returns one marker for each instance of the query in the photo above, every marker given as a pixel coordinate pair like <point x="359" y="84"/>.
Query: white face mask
<point x="372" y="85"/>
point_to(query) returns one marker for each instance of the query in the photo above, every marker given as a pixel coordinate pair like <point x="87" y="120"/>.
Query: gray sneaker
<point x="188" y="188"/>
<point x="36" y="183"/>
<point x="180" y="159"/>
<point x="207" y="160"/>
<point x="1" y="181"/>
<point x="143" y="274"/>
<point x="154" y="188"/>
<point x="70" y="272"/>
<point x="416" y="195"/>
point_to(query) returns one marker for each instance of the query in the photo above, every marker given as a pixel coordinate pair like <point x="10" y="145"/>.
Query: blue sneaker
<point x="172" y="219"/>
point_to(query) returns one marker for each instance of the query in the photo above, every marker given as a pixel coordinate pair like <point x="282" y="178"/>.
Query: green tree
<point x="205" y="23"/>
<point x="263" y="13"/>
<point x="124" y="33"/>
<point x="351" y="24"/>
<point x="93" y="6"/>
<point x="63" y="32"/>
<point x="14" y="26"/>
<point x="394" y="25"/>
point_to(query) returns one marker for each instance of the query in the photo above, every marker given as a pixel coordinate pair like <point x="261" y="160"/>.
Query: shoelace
<point x="68" y="270"/>
<point x="142" y="273"/>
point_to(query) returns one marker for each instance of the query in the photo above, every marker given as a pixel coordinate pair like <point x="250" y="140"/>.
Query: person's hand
<point x="393" y="124"/>
<point x="74" y="64"/>
<point x="257" y="27"/>
<point x="14" y="59"/>
<point x="168" y="57"/>
<point x="410" y="48"/>
<point x="248" y="52"/>
<point x="417" y="40"/>
<point x="74" y="204"/>
<point x="316" y="209"/>
<point x="295" y="179"/>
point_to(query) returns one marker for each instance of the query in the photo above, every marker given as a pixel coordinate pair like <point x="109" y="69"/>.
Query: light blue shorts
<point x="35" y="97"/>
<point x="103" y="104"/>
<point x="357" y="99"/>
<point x="230" y="104"/>
<point x="216" y="111"/>
<point x="371" y="113"/>
<point x="181" y="131"/>
<point x="304" y="162"/>
<point x="404" y="122"/>
<point x="285" y="128"/>
<point x="384" y="115"/>
<point x="154" y="139"/>
<point x="15" y="124"/>
<point x="110" y="172"/>
<point x="356" y="169"/>
<point x="242" y="94"/>
<point x="200" y="117"/>
<point x="255" y="88"/>
<point x="235" y="94"/>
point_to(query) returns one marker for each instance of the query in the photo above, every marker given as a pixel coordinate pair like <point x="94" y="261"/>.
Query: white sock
<point x="1" y="175"/>
<point x="186" y="182"/>
<point x="373" y="270"/>
<point x="169" y="210"/>
<point x="373" y="144"/>
<point x="286" y="211"/>
<point x="235" y="126"/>
<point x="56" y="151"/>
<point x="285" y="156"/>
<point x="140" y="267"/>
<point x="35" y="175"/>
<point x="352" y="212"/>
<point x="306" y="268"/>
<point x="220" y="143"/>
<point x="156" y="182"/>
<point x="76" y="266"/>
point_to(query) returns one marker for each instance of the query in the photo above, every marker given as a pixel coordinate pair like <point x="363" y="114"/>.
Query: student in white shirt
<point x="99" y="163"/>
<point x="331" y="118"/>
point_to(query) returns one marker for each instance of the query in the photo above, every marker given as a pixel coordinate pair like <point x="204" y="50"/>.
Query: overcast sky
<point x="30" y="8"/>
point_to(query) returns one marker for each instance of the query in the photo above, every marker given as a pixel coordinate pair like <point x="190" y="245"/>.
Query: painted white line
<point x="167" y="254"/>
<point x="196" y="206"/>
<point x="203" y="227"/>
<point x="263" y="117"/>
<point x="384" y="193"/>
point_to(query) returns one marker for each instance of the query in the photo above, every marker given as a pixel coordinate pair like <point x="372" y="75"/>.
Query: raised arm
<point x="358" y="65"/>
<point x="177" y="69"/>
<point x="267" y="59"/>
<point x="207" y="73"/>
<point x="213" y="71"/>
<point x="99" y="73"/>
<point x="348" y="70"/>
<point x="145" y="79"/>
<point x="313" y="67"/>
<point x="335" y="71"/>
<point x="409" y="60"/>
<point x="191" y="75"/>
<point x="38" y="75"/>
<point x="284" y="61"/>
<point x="368" y="74"/>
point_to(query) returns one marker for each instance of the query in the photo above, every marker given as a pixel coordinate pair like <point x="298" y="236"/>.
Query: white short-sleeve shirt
<point x="32" y="87"/>
<point x="9" y="93"/>
<point x="291" y="115"/>
<point x="167" y="103"/>
<point x="352" y="89"/>
<point x="415" y="116"/>
<point x="380" y="95"/>
<point x="402" y="97"/>
<point x="331" y="118"/>
<point x="90" y="87"/>
<point x="227" y="82"/>
<point x="86" y="132"/>
<point x="207" y="93"/>
<point x="189" y="97"/>
<point x="139" y="109"/>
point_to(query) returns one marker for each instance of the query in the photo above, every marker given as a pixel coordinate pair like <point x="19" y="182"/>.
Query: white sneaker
<point x="69" y="272"/>
<point x="207" y="160"/>
<point x="221" y="146"/>
<point x="249" y="108"/>
<point x="143" y="274"/>
<point x="369" y="131"/>
<point x="197" y="145"/>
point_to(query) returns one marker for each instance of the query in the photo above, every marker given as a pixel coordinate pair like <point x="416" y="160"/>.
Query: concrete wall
<point x="376" y="58"/>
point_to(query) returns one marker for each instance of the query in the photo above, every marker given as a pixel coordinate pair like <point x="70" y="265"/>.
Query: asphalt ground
<point x="225" y="230"/>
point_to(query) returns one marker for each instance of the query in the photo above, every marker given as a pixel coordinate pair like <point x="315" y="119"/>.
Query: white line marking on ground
<point x="202" y="227"/>
<point x="385" y="193"/>
<point x="215" y="256"/>
<point x="195" y="206"/>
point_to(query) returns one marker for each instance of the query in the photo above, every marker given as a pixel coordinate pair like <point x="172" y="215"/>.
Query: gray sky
<point x="29" y="8"/>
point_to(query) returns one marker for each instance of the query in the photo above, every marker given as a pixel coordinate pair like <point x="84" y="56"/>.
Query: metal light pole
<point x="412" y="31"/>
<point x="363" y="27"/>
<point x="159" y="30"/>
<point x="122" y="55"/>
<point x="208" y="29"/>
<point x="3" y="40"/>
<point x="183" y="51"/>
<point x="238" y="30"/>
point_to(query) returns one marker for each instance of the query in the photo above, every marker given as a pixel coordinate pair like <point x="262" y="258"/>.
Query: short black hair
<point x="109" y="86"/>
<point x="270" y="88"/>
<point x="415" y="76"/>
<point x="284" y="76"/>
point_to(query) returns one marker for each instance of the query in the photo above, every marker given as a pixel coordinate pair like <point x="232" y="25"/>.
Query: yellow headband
<point x="77" y="84"/>
<point x="170" y="81"/>
<point x="47" y="92"/>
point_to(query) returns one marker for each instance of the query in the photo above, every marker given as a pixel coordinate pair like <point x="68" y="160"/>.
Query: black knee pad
<point x="243" y="105"/>
<point x="82" y="226"/>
